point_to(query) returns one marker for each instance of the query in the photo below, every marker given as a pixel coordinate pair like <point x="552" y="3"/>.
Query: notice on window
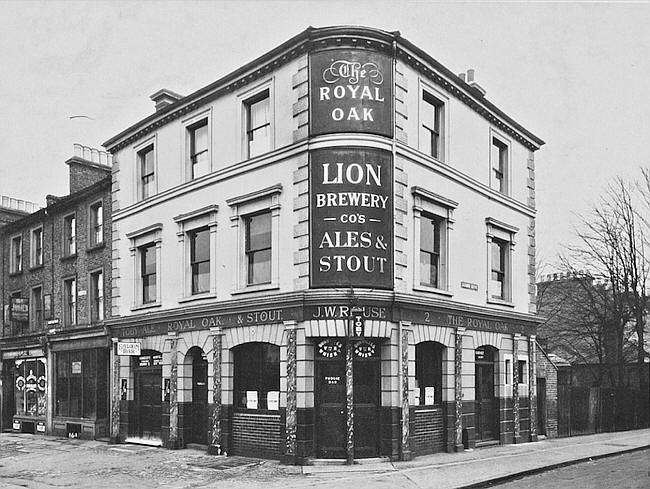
<point x="76" y="367"/>
<point x="429" y="396"/>
<point x="251" y="399"/>
<point x="273" y="400"/>
<point x="416" y="397"/>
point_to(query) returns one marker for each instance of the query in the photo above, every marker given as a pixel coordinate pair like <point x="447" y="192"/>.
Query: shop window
<point x="16" y="257"/>
<point x="508" y="371"/>
<point x="69" y="235"/>
<point x="81" y="388"/>
<point x="97" y="296"/>
<point x="428" y="373"/>
<point x="30" y="386"/>
<point x="522" y="371"/>
<point x="258" y="123"/>
<point x="96" y="224"/>
<point x="499" y="164"/>
<point x="432" y="125"/>
<point x="36" y="308"/>
<point x="198" y="149"/>
<point x="258" y="248"/>
<point x="257" y="376"/>
<point x="37" y="247"/>
<point x="69" y="301"/>
<point x="146" y="172"/>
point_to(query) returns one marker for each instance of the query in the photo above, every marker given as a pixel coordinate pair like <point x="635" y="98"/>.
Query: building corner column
<point x="532" y="386"/>
<point x="405" y="448"/>
<point x="516" y="432"/>
<point x="458" y="389"/>
<point x="291" y="424"/>
<point x="349" y="401"/>
<point x="173" y="441"/>
<point x="215" y="412"/>
<point x="115" y="394"/>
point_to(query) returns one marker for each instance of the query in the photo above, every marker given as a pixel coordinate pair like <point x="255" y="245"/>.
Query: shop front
<point x="25" y="391"/>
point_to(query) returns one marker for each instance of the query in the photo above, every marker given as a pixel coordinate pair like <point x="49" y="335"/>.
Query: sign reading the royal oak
<point x="351" y="204"/>
<point x="351" y="90"/>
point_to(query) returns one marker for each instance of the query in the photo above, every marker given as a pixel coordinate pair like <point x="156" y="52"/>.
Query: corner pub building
<point x="327" y="254"/>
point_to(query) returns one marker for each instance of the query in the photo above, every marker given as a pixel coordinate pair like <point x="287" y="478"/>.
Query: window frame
<point x="69" y="235"/>
<point x="96" y="223"/>
<point x="36" y="259"/>
<point x="267" y="199"/>
<point x="250" y="253"/>
<point x="431" y="97"/>
<point x="428" y="205"/>
<point x="503" y="234"/>
<point x="148" y="236"/>
<point x="189" y="127"/>
<point x="438" y="372"/>
<point x="139" y="151"/>
<point x="16" y="254"/>
<point x="504" y="157"/>
<point x="262" y="91"/>
<point x="96" y="296"/>
<point x="262" y="372"/>
<point x="70" y="298"/>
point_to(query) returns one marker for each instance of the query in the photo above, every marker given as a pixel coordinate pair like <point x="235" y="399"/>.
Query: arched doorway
<point x="199" y="405"/>
<point x="147" y="424"/>
<point x="486" y="405"/>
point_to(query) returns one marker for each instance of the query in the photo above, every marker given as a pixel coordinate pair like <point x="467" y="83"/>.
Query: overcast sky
<point x="576" y="74"/>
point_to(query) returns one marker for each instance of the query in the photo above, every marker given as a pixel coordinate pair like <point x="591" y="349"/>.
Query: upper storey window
<point x="432" y="124"/>
<point x="258" y="123"/>
<point x="69" y="235"/>
<point x="37" y="247"/>
<point x="258" y="248"/>
<point x="147" y="172"/>
<point x="198" y="148"/>
<point x="499" y="164"/>
<point x="501" y="244"/>
<point x="16" y="260"/>
<point x="96" y="224"/>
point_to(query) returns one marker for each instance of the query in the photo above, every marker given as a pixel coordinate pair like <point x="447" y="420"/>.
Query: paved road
<point x="627" y="471"/>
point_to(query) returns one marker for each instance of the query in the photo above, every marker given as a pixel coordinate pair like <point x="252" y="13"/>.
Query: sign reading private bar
<point x="351" y="205"/>
<point x="351" y="90"/>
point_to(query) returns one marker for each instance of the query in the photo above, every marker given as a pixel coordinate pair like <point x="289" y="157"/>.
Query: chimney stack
<point x="163" y="97"/>
<point x="469" y="79"/>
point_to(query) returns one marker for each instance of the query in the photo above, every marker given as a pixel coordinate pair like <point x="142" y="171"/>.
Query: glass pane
<point x="19" y="386"/>
<point x="149" y="288"/>
<point x="149" y="260"/>
<point x="258" y="232"/>
<point x="89" y="383"/>
<point x="200" y="277"/>
<point x="62" y="380"/>
<point x="76" y="370"/>
<point x="259" y="113"/>
<point x="200" y="139"/>
<point x="147" y="162"/>
<point x="259" y="270"/>
<point x="496" y="256"/>
<point x="200" y="245"/>
<point x="427" y="230"/>
<point x="259" y="141"/>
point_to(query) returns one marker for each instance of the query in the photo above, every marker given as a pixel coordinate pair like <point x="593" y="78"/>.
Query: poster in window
<point x="76" y="368"/>
<point x="19" y="309"/>
<point x="416" y="397"/>
<point x="429" y="396"/>
<point x="351" y="205"/>
<point x="273" y="400"/>
<point x="251" y="399"/>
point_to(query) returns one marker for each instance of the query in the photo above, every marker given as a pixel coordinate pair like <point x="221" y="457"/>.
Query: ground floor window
<point x="29" y="386"/>
<point x="257" y="376"/>
<point x="428" y="373"/>
<point x="81" y="389"/>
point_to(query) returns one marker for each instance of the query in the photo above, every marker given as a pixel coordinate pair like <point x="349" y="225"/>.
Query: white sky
<point x="576" y="74"/>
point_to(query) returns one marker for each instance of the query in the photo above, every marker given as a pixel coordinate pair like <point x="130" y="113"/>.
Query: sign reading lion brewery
<point x="351" y="90"/>
<point x="351" y="204"/>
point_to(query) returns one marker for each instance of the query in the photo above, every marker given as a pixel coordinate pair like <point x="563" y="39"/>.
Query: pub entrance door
<point x="331" y="393"/>
<point x="487" y="408"/>
<point x="148" y="396"/>
<point x="199" y="409"/>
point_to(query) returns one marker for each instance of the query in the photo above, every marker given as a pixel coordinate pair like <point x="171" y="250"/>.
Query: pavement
<point x="36" y="461"/>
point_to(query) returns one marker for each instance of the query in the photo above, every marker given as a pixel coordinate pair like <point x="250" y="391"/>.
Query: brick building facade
<point x="56" y="283"/>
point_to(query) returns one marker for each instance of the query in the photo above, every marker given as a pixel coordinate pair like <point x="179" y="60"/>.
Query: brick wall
<point x="429" y="431"/>
<point x="257" y="435"/>
<point x="547" y="370"/>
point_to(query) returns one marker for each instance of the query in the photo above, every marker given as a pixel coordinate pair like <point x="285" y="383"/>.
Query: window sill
<point x="432" y="290"/>
<point x="96" y="247"/>
<point x="149" y="305"/>
<point x="197" y="297"/>
<point x="16" y="274"/>
<point x="36" y="267"/>
<point x="255" y="288"/>
<point x="71" y="256"/>
<point x="500" y="302"/>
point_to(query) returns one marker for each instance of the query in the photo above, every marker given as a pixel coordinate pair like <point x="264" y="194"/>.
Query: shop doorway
<point x="148" y="396"/>
<point x="199" y="405"/>
<point x="487" y="408"/>
<point x="331" y="405"/>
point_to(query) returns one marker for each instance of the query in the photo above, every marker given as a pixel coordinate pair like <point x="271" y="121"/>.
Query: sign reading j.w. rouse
<point x="351" y="202"/>
<point x="351" y="91"/>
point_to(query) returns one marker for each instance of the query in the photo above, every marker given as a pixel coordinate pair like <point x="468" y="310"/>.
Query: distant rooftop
<point x="19" y="205"/>
<point x="93" y="155"/>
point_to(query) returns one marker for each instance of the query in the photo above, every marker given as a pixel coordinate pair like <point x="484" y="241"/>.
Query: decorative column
<point x="405" y="450"/>
<point x="173" y="392"/>
<point x="532" y="386"/>
<point x="215" y="440"/>
<point x="292" y="405"/>
<point x="115" y="393"/>
<point x="349" y="401"/>
<point x="515" y="388"/>
<point x="458" y="389"/>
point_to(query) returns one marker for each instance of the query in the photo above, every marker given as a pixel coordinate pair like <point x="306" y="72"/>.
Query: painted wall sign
<point x="351" y="90"/>
<point x="19" y="309"/>
<point x="439" y="318"/>
<point x="469" y="285"/>
<point x="129" y="349"/>
<point x="351" y="205"/>
<point x="337" y="311"/>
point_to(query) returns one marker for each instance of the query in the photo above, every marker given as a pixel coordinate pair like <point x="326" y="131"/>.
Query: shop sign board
<point x="351" y="90"/>
<point x="19" y="309"/>
<point x="351" y="225"/>
<point x="128" y="349"/>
